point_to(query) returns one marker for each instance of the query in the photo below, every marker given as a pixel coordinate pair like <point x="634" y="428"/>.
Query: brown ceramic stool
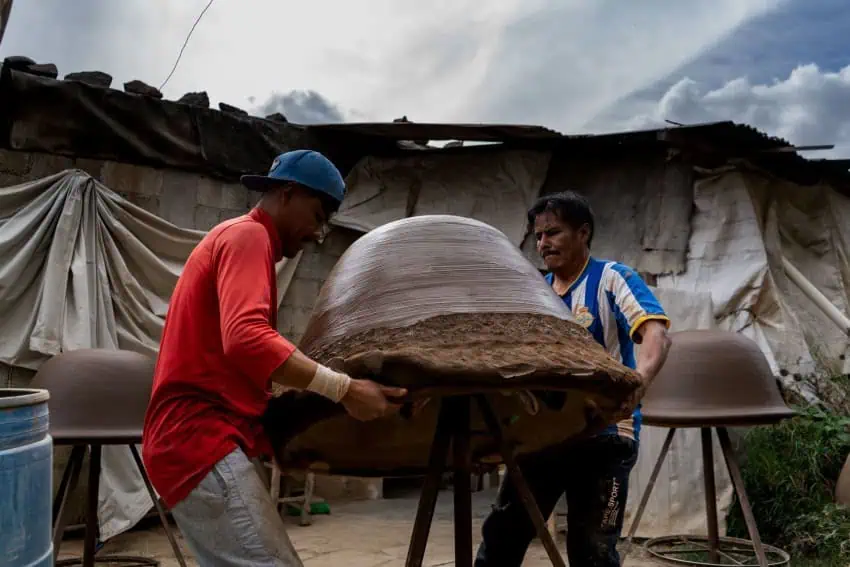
<point x="712" y="380"/>
<point x="97" y="397"/>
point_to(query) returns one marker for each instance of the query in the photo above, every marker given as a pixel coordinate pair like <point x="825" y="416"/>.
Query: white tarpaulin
<point x="744" y="224"/>
<point x="83" y="268"/>
<point x="495" y="188"/>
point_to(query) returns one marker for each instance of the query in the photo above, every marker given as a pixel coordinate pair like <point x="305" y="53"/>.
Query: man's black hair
<point x="570" y="207"/>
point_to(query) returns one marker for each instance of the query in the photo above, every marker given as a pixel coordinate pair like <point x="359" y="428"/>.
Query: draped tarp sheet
<point x="80" y="267"/>
<point x="743" y="226"/>
<point x="495" y="188"/>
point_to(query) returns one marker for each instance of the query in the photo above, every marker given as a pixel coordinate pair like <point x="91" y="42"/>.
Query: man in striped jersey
<point x="614" y="304"/>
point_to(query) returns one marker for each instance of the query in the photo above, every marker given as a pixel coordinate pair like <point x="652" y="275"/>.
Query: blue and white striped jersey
<point x="612" y="301"/>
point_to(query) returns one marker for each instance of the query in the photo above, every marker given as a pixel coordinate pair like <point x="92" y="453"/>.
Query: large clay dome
<point x="445" y="305"/>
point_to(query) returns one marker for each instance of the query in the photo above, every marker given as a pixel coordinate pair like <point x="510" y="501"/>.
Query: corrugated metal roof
<point x="425" y="131"/>
<point x="723" y="140"/>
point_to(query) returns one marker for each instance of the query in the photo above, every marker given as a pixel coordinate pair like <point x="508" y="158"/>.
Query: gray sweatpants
<point x="229" y="519"/>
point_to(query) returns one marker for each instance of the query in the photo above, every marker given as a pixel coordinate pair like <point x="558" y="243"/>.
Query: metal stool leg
<point x="710" y="494"/>
<point x="647" y="492"/>
<point x="738" y="483"/>
<point x="60" y="515"/>
<point x="159" y="508"/>
<point x="92" y="528"/>
<point x="90" y="539"/>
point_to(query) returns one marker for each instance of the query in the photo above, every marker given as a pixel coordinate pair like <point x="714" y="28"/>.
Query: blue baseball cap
<point x="305" y="167"/>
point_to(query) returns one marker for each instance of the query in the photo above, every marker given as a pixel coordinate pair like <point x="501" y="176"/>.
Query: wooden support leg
<point x="519" y="482"/>
<point x="738" y="483"/>
<point x="72" y="476"/>
<point x="430" y="489"/>
<point x="710" y="494"/>
<point x="459" y="408"/>
<point x="159" y="509"/>
<point x="647" y="492"/>
<point x="306" y="507"/>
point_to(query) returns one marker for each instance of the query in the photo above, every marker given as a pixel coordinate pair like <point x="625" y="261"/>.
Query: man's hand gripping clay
<point x="364" y="400"/>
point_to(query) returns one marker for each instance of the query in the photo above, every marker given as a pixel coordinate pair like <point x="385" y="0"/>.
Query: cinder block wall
<point x="186" y="199"/>
<point x="317" y="261"/>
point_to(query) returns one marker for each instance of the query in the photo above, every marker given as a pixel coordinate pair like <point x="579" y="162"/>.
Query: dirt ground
<point x="372" y="533"/>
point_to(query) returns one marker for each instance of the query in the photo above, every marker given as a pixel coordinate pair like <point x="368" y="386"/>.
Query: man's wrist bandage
<point x="330" y="384"/>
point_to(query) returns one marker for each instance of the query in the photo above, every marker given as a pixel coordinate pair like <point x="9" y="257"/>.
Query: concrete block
<point x="225" y="214"/>
<point x="302" y="293"/>
<point x="307" y="266"/>
<point x="253" y="197"/>
<point x="213" y="193"/>
<point x="348" y="488"/>
<point x="128" y="178"/>
<point x="284" y="321"/>
<point x="45" y="165"/>
<point x="179" y="198"/>
<point x="11" y="179"/>
<point x="206" y="217"/>
<point x="295" y="318"/>
<point x="91" y="166"/>
<point x="325" y="263"/>
<point x="150" y="203"/>
<point x="235" y="196"/>
<point x="339" y="240"/>
<point x="15" y="163"/>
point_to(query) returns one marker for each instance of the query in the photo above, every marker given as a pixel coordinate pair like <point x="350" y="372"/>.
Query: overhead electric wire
<point x="180" y="55"/>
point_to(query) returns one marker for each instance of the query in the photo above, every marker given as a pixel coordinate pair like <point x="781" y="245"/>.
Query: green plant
<point x="790" y="471"/>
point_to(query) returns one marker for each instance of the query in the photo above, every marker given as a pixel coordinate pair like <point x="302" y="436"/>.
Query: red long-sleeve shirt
<point x="218" y="349"/>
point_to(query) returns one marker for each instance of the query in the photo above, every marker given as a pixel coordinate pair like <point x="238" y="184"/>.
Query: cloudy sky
<point x="577" y="66"/>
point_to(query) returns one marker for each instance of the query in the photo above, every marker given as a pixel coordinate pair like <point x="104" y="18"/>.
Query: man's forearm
<point x="653" y="349"/>
<point x="299" y="371"/>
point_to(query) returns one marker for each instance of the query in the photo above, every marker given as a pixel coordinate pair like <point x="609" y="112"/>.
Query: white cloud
<point x="809" y="107"/>
<point x="552" y="62"/>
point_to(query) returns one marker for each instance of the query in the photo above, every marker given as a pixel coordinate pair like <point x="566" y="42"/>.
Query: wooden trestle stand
<point x="453" y="428"/>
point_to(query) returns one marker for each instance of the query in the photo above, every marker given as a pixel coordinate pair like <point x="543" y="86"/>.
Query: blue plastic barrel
<point x="26" y="479"/>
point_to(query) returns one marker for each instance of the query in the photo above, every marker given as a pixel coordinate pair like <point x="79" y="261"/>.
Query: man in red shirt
<point x="218" y="355"/>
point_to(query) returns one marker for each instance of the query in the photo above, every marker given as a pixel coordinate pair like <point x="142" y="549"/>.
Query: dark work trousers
<point x="594" y="474"/>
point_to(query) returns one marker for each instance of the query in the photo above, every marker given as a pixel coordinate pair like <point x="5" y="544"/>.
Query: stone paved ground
<point x="371" y="533"/>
